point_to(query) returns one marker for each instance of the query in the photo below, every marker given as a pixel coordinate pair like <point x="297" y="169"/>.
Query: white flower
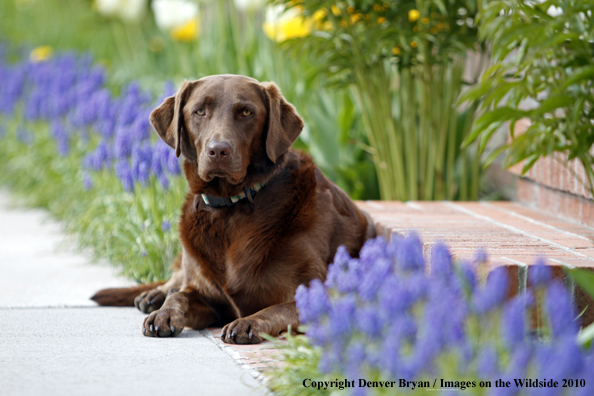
<point x="170" y="14"/>
<point x="108" y="7"/>
<point x="244" y="5"/>
<point x="554" y="11"/>
<point x="132" y="10"/>
<point x="128" y="10"/>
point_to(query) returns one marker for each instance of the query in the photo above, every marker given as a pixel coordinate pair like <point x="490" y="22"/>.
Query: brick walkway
<point x="513" y="236"/>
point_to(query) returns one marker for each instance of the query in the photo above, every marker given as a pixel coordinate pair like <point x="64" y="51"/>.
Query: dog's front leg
<point x="181" y="309"/>
<point x="272" y="320"/>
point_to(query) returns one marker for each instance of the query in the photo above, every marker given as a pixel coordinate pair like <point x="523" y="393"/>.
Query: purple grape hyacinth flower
<point x="540" y="274"/>
<point x="494" y="292"/>
<point x="123" y="172"/>
<point x="441" y="261"/>
<point x="562" y="315"/>
<point x="60" y="135"/>
<point x="87" y="182"/>
<point x="409" y="253"/>
<point x="414" y="320"/>
<point x="513" y="319"/>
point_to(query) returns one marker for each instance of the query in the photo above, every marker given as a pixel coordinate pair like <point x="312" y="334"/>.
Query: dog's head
<point x="224" y="123"/>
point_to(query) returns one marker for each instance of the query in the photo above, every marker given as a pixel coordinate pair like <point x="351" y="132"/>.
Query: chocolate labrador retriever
<point x="259" y="220"/>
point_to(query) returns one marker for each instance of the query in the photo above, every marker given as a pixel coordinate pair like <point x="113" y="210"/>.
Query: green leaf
<point x="585" y="336"/>
<point x="529" y="162"/>
<point x="493" y="156"/>
<point x="583" y="73"/>
<point x="552" y="103"/>
<point x="583" y="278"/>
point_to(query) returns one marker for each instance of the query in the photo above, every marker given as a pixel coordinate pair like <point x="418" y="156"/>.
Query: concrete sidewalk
<point x="55" y="341"/>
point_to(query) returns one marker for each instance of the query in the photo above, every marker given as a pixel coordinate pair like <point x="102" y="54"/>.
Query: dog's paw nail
<point x="222" y="336"/>
<point x="233" y="334"/>
<point x="156" y="328"/>
<point x="250" y="335"/>
<point x="172" y="329"/>
<point x="151" y="328"/>
<point x="144" y="330"/>
<point x="150" y="302"/>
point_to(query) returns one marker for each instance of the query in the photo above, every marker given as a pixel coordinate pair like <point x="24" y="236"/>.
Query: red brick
<point x="570" y="207"/>
<point x="527" y="192"/>
<point x="556" y="170"/>
<point x="587" y="217"/>
<point x="581" y="178"/>
<point x="576" y="184"/>
<point x="563" y="172"/>
<point x="548" y="200"/>
<point x="546" y="165"/>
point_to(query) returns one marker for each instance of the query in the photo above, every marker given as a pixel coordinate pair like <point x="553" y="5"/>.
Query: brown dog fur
<point x="242" y="264"/>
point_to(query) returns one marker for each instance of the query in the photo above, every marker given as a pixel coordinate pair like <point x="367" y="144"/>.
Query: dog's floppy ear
<point x="284" y="124"/>
<point x="168" y="119"/>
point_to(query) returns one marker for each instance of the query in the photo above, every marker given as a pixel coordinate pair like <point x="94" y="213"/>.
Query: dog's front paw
<point x="166" y="322"/>
<point x="245" y="331"/>
<point x="150" y="300"/>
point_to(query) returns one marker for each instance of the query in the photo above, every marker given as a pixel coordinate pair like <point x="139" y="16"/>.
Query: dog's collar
<point x="218" y="202"/>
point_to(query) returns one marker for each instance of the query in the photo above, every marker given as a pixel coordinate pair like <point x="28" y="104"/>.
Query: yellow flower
<point x="439" y="26"/>
<point x="335" y="10"/>
<point x="413" y="44"/>
<point x="319" y="15"/>
<point x="381" y="20"/>
<point x="425" y="20"/>
<point x="377" y="7"/>
<point x="318" y="20"/>
<point x="433" y="30"/>
<point x="350" y="9"/>
<point x="396" y="51"/>
<point x="282" y="25"/>
<point x="413" y="15"/>
<point x="186" y="32"/>
<point x="40" y="54"/>
<point x="356" y="17"/>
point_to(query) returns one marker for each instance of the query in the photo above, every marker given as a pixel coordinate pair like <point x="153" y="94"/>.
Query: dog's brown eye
<point x="246" y="113"/>
<point x="200" y="112"/>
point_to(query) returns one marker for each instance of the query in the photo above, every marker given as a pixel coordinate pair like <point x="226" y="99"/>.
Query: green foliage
<point x="543" y="71"/>
<point x="585" y="280"/>
<point x="301" y="361"/>
<point x="404" y="62"/>
<point x="230" y="41"/>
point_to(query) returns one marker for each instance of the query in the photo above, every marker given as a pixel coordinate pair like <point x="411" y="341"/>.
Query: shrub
<point x="404" y="62"/>
<point x="542" y="71"/>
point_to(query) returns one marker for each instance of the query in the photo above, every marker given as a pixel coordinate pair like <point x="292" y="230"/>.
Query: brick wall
<point x="554" y="185"/>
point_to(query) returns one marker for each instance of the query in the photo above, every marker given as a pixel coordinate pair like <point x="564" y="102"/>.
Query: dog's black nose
<point x="218" y="150"/>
